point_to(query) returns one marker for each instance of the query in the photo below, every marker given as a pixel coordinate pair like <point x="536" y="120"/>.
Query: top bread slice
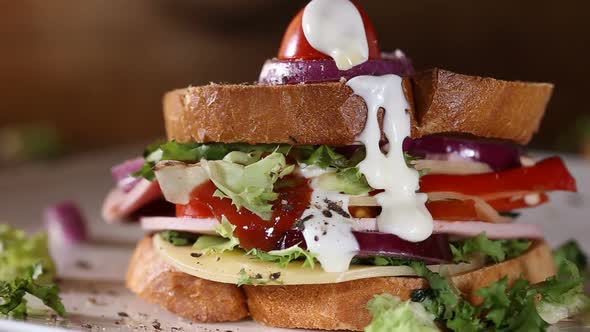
<point x="330" y="113"/>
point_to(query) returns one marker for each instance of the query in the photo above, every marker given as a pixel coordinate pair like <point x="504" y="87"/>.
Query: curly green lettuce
<point x="18" y="252"/>
<point x="26" y="267"/>
<point x="249" y="186"/>
<point x="285" y="256"/>
<point x="494" y="250"/>
<point x="226" y="241"/>
<point x="390" y="314"/>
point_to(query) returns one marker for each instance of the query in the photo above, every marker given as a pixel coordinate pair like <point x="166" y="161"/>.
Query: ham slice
<point x="493" y="231"/>
<point x="458" y="228"/>
<point x="120" y="204"/>
<point x="468" y="229"/>
<point x="184" y="224"/>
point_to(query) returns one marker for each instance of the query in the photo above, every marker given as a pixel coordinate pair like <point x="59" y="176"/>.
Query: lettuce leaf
<point x="349" y="181"/>
<point x="194" y="152"/>
<point x="285" y="256"/>
<point x="226" y="241"/>
<point x="570" y="251"/>
<point x="179" y="238"/>
<point x="494" y="250"/>
<point x="12" y="301"/>
<point x="249" y="186"/>
<point x="390" y="314"/>
<point x="322" y="156"/>
<point x="504" y="308"/>
<point x="18" y="252"/>
<point x="26" y="267"/>
<point x="562" y="296"/>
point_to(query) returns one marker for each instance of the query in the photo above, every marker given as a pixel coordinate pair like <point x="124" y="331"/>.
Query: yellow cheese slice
<point x="229" y="267"/>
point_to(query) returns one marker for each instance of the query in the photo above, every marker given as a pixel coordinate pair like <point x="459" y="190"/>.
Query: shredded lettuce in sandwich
<point x="494" y="250"/>
<point x="507" y="306"/>
<point x="26" y="268"/>
<point x="285" y="256"/>
<point x="249" y="186"/>
<point x="226" y="241"/>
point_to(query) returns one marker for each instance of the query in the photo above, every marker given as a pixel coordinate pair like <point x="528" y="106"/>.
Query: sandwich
<point x="346" y="191"/>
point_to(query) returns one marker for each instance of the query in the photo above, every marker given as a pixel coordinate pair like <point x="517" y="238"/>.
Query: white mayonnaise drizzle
<point x="532" y="199"/>
<point x="335" y="27"/>
<point x="327" y="232"/>
<point x="403" y="210"/>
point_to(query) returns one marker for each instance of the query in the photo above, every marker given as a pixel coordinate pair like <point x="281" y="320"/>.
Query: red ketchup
<point x="296" y="47"/>
<point x="253" y="231"/>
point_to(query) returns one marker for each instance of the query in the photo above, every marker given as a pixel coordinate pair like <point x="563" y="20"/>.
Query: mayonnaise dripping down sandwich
<point x="342" y="178"/>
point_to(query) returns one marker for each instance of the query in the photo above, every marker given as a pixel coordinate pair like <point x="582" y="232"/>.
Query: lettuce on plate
<point x="18" y="252"/>
<point x="26" y="268"/>
<point x="390" y="314"/>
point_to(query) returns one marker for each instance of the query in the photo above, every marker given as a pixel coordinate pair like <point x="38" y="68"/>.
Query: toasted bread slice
<point x="340" y="306"/>
<point x="189" y="297"/>
<point x="329" y="113"/>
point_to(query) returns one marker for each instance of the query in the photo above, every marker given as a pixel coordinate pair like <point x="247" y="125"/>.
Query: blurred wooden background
<point x="97" y="69"/>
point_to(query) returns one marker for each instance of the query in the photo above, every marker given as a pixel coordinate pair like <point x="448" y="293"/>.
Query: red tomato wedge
<point x="509" y="204"/>
<point x="295" y="46"/>
<point x="253" y="231"/>
<point x="547" y="175"/>
<point x="453" y="210"/>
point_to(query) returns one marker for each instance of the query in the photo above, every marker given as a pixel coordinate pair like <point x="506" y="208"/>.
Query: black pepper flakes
<point x="83" y="265"/>
<point x="274" y="276"/>
<point x="327" y="213"/>
<point x="123" y="314"/>
<point x="258" y="276"/>
<point x="156" y="325"/>
<point x="299" y="224"/>
<point x="86" y="326"/>
<point x="316" y="238"/>
<point x="196" y="254"/>
<point x="335" y="207"/>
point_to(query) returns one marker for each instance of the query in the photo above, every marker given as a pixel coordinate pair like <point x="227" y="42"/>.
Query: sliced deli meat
<point x="119" y="204"/>
<point x="181" y="224"/>
<point x="492" y="231"/>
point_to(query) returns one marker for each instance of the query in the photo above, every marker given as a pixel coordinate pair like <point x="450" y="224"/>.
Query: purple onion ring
<point x="434" y="250"/>
<point x="278" y="72"/>
<point x="498" y="155"/>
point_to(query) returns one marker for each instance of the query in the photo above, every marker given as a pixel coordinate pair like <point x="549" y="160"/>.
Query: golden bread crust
<point x="339" y="306"/>
<point x="329" y="113"/>
<point x="189" y="297"/>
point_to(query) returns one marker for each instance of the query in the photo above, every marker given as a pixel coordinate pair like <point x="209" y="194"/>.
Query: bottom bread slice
<point x="340" y="306"/>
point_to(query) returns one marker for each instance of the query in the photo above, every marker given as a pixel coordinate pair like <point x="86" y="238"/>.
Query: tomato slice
<point x="509" y="204"/>
<point x="194" y="209"/>
<point x="253" y="231"/>
<point x="295" y="46"/>
<point x="547" y="175"/>
<point x="453" y="210"/>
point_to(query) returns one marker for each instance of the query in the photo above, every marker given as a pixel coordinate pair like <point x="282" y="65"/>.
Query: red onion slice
<point x="277" y="72"/>
<point x="122" y="173"/>
<point x="65" y="223"/>
<point x="434" y="250"/>
<point x="181" y="224"/>
<point x="500" y="156"/>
